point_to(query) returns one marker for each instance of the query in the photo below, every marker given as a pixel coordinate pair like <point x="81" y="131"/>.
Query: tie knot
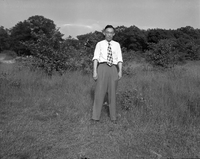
<point x="109" y="43"/>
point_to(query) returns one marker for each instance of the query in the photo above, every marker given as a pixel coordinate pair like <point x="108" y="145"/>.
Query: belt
<point x="106" y="63"/>
<point x="102" y="63"/>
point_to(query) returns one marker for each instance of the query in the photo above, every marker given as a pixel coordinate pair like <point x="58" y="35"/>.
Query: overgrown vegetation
<point x="39" y="37"/>
<point x="42" y="117"/>
<point x="164" y="54"/>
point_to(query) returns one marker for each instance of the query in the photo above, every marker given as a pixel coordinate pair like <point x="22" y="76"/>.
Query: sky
<point x="77" y="17"/>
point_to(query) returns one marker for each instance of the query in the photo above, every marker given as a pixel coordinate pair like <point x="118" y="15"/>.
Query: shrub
<point x="47" y="54"/>
<point x="192" y="51"/>
<point x="50" y="59"/>
<point x="131" y="99"/>
<point x="163" y="54"/>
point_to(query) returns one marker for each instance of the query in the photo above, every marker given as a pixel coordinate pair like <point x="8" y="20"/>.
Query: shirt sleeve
<point x="120" y="59"/>
<point x="96" y="52"/>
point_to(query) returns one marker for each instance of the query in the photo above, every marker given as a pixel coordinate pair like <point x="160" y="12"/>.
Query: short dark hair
<point x="109" y="26"/>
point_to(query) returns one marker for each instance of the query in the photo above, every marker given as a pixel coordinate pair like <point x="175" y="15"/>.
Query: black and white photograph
<point x="100" y="79"/>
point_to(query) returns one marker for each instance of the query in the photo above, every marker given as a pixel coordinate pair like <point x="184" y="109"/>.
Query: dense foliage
<point x="39" y="37"/>
<point x="4" y="39"/>
<point x="164" y="53"/>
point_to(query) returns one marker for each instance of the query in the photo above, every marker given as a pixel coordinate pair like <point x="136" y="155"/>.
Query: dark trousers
<point x="106" y="82"/>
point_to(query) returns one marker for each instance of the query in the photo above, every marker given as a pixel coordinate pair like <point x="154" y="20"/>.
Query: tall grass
<point x="42" y="117"/>
<point x="170" y="96"/>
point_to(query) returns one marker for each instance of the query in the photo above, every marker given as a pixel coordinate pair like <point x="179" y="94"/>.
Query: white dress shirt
<point x="101" y="52"/>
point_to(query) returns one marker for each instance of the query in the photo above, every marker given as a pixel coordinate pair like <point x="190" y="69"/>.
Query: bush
<point x="60" y="58"/>
<point x="131" y="99"/>
<point x="192" y="51"/>
<point x="163" y="54"/>
<point x="47" y="54"/>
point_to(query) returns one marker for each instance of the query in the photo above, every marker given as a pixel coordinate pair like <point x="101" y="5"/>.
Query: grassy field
<point x="49" y="118"/>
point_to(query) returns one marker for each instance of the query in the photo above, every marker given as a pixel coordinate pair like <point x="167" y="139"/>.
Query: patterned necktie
<point x="109" y="57"/>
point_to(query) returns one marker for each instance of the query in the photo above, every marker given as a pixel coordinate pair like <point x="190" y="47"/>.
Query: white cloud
<point x="77" y="25"/>
<point x="147" y="27"/>
<point x="75" y="29"/>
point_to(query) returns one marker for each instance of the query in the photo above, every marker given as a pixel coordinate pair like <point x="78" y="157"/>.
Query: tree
<point x="47" y="55"/>
<point x="163" y="54"/>
<point x="29" y="30"/>
<point x="21" y="32"/>
<point x="91" y="39"/>
<point x="120" y="35"/>
<point x="135" y="39"/>
<point x="155" y="35"/>
<point x="189" y="32"/>
<point x="188" y="40"/>
<point x="4" y="39"/>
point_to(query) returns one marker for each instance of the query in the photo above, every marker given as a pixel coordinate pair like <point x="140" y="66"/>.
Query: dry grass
<point x="49" y="118"/>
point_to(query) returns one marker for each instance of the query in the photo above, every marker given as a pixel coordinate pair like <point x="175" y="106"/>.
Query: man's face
<point x="109" y="33"/>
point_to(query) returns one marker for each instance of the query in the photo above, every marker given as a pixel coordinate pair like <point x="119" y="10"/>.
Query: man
<point x="107" y="70"/>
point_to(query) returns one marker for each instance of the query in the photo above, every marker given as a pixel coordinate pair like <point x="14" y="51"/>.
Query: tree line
<point x="40" y="38"/>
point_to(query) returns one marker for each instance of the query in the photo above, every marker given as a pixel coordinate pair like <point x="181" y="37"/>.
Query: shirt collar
<point x="109" y="41"/>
